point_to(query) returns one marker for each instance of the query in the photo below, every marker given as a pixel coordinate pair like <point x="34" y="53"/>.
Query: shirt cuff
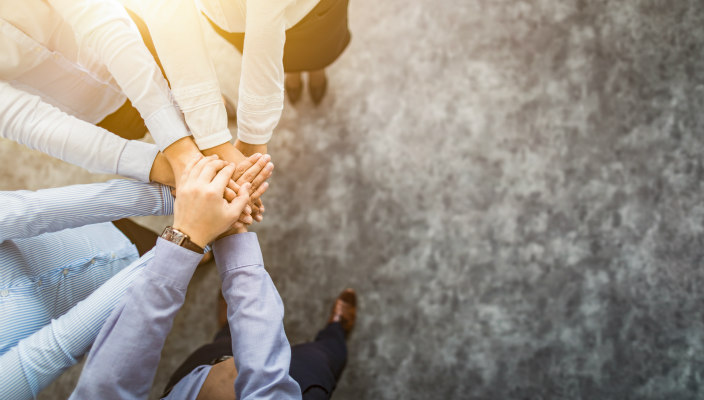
<point x="167" y="200"/>
<point x="237" y="251"/>
<point x="136" y="160"/>
<point x="252" y="138"/>
<point x="214" y="139"/>
<point x="173" y="264"/>
<point x="166" y="126"/>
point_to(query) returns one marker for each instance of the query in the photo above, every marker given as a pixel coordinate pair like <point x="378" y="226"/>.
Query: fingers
<point x="230" y="194"/>
<point x="254" y="170"/>
<point x="246" y="164"/>
<point x="222" y="178"/>
<point x="240" y="202"/>
<point x="195" y="170"/>
<point x="258" y="193"/>
<point x="188" y="168"/>
<point x="246" y="219"/>
<point x="239" y="227"/>
<point x="263" y="176"/>
<point x="211" y="169"/>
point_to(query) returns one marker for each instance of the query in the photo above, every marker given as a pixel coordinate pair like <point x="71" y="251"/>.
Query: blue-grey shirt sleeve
<point x="125" y="355"/>
<point x="25" y="213"/>
<point x="255" y="313"/>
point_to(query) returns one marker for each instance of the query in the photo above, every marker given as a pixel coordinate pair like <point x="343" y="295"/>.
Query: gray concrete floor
<point x="514" y="189"/>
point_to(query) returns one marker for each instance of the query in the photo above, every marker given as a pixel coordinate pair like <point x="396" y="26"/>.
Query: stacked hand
<point x="255" y="169"/>
<point x="170" y="165"/>
<point x="201" y="210"/>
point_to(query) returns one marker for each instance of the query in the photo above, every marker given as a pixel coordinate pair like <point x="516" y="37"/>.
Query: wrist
<point x="226" y="151"/>
<point x="179" y="237"/>
<point x="161" y="171"/>
<point x="249" y="149"/>
<point x="180" y="153"/>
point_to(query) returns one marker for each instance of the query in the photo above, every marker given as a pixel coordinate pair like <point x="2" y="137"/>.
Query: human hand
<point x="256" y="169"/>
<point x="179" y="154"/>
<point x="200" y="210"/>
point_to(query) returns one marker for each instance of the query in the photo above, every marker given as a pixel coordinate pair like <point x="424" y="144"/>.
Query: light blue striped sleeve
<point x="37" y="360"/>
<point x="25" y="213"/>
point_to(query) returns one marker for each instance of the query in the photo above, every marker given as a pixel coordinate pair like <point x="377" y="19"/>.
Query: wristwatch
<point x="181" y="239"/>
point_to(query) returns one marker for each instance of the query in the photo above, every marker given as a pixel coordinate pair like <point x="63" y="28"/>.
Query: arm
<point x="175" y="28"/>
<point x="261" y="92"/>
<point x="106" y="29"/>
<point x="42" y="357"/>
<point x="30" y="213"/>
<point x="123" y="360"/>
<point x="194" y="83"/>
<point x="26" y="119"/>
<point x="261" y="351"/>
<point x="125" y="355"/>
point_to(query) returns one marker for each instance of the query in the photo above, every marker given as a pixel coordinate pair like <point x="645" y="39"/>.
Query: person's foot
<point x="344" y="310"/>
<point x="294" y="87"/>
<point x="317" y="85"/>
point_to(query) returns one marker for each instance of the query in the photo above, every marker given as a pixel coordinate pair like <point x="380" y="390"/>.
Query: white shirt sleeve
<point x="176" y="32"/>
<point x="175" y="27"/>
<point x="105" y="27"/>
<point x="261" y="93"/>
<point x="26" y="119"/>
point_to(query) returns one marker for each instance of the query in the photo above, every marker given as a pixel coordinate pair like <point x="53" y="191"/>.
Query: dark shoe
<point x="318" y="92"/>
<point x="293" y="93"/>
<point x="344" y="310"/>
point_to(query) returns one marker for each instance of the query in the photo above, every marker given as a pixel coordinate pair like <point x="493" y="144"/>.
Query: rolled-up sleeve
<point x="106" y="28"/>
<point x="176" y="30"/>
<point x="261" y="93"/>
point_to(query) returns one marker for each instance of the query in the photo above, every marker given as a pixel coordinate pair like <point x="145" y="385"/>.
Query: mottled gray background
<point x="514" y="189"/>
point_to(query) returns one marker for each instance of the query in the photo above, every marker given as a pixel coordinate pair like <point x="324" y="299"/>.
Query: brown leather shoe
<point x="344" y="310"/>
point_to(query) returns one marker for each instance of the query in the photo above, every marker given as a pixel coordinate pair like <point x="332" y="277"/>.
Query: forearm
<point x="42" y="357"/>
<point x="30" y="213"/>
<point x="106" y="28"/>
<point x="261" y="93"/>
<point x="188" y="66"/>
<point x="255" y="313"/>
<point x="137" y="328"/>
<point x="26" y="119"/>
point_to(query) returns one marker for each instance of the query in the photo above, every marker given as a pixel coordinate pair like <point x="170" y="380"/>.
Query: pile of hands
<point x="216" y="198"/>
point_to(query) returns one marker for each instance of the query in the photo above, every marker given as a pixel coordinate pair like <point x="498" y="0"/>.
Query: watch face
<point x="172" y="235"/>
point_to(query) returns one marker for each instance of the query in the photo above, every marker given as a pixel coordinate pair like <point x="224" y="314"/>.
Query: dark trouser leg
<point x="140" y="236"/>
<point x="317" y="365"/>
<point x="204" y="355"/>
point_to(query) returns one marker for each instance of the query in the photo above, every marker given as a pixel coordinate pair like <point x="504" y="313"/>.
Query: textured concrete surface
<point x="514" y="188"/>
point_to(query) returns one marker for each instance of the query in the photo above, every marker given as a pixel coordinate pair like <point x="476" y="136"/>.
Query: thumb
<point x="237" y="205"/>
